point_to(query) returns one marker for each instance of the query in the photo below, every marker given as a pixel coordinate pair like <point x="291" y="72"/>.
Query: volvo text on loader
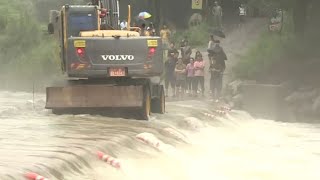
<point x="105" y="67"/>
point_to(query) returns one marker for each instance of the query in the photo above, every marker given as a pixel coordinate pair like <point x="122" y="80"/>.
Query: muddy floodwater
<point x="191" y="142"/>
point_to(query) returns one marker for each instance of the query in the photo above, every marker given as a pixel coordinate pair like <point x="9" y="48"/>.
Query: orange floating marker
<point x="210" y="115"/>
<point x="109" y="159"/>
<point x="149" y="139"/>
<point x="221" y="112"/>
<point x="225" y="108"/>
<point x="34" y="176"/>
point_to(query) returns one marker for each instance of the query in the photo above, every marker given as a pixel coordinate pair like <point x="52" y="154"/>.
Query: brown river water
<point x="231" y="147"/>
<point x="196" y="147"/>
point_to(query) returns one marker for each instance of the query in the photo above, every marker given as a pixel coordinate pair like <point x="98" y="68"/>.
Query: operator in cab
<point x="143" y="31"/>
<point x="149" y="31"/>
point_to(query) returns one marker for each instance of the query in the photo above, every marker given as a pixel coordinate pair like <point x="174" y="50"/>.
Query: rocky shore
<point x="301" y="101"/>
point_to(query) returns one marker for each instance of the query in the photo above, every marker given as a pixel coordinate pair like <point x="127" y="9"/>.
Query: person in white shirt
<point x="242" y="13"/>
<point x="123" y="25"/>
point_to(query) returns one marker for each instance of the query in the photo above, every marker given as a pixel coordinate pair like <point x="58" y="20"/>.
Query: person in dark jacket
<point x="170" y="78"/>
<point x="186" y="52"/>
<point x="217" y="68"/>
<point x="143" y="30"/>
<point x="172" y="49"/>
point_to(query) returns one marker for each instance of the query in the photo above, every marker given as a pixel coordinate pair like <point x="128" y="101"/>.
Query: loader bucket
<point x="94" y="96"/>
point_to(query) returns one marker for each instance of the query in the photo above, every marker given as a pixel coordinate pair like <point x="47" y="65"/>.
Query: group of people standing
<point x="186" y="74"/>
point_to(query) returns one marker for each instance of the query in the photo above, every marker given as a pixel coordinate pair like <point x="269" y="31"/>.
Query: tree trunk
<point x="300" y="16"/>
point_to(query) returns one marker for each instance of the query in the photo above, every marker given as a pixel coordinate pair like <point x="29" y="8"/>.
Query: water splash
<point x="194" y="145"/>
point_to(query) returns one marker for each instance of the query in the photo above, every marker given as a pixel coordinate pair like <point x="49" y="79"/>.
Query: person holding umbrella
<point x="144" y="15"/>
<point x="143" y="30"/>
<point x="216" y="35"/>
<point x="217" y="68"/>
<point x="148" y="32"/>
<point x="153" y="29"/>
<point x="141" y="22"/>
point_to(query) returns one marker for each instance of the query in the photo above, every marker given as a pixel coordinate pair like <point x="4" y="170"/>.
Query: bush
<point x="266" y="52"/>
<point x="197" y="35"/>
<point x="26" y="52"/>
<point x="260" y="57"/>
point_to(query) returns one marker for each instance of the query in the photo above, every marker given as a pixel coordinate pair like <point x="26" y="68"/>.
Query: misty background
<point x="28" y="54"/>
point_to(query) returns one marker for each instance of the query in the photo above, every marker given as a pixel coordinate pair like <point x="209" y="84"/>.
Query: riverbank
<point x="282" y="60"/>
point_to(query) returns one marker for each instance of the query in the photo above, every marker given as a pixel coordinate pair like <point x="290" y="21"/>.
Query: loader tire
<point x="158" y="104"/>
<point x="146" y="108"/>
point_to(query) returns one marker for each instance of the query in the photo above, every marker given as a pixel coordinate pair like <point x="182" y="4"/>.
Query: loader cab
<point x="73" y="19"/>
<point x="98" y="14"/>
<point x="70" y="21"/>
<point x="81" y="21"/>
<point x="79" y="18"/>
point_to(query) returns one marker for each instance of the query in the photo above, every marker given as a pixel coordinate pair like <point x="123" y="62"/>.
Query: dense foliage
<point x="27" y="53"/>
<point x="290" y="53"/>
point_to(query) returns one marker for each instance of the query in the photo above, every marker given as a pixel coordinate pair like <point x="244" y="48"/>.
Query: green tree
<point x="299" y="8"/>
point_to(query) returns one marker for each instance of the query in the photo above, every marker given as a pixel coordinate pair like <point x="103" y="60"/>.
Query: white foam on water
<point x="240" y="148"/>
<point x="259" y="149"/>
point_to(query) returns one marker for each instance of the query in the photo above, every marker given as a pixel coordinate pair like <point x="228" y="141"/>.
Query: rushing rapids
<point x="194" y="140"/>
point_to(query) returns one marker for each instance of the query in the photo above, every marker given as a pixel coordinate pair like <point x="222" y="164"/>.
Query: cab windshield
<point x="81" y="22"/>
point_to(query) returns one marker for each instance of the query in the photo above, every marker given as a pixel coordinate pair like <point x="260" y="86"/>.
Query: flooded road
<point x="196" y="145"/>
